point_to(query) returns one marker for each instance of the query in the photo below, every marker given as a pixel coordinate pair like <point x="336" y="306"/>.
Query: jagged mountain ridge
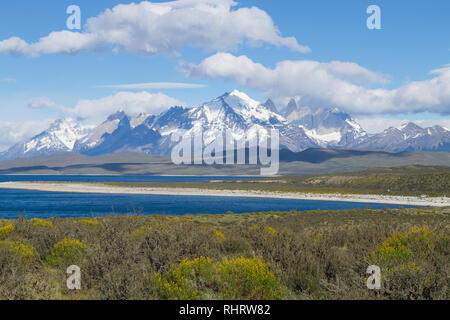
<point x="300" y="129"/>
<point x="60" y="137"/>
<point x="408" y="137"/>
<point x="329" y="127"/>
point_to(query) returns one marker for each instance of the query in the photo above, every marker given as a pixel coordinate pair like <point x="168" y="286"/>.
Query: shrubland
<point x="256" y="256"/>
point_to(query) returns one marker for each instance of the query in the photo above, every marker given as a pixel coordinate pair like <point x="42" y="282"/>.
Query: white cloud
<point x="41" y="103"/>
<point x="94" y="111"/>
<point x="66" y="42"/>
<point x="149" y="29"/>
<point x="133" y="103"/>
<point x="16" y="46"/>
<point x="14" y="132"/>
<point x="154" y="85"/>
<point x="336" y="84"/>
<point x="376" y="125"/>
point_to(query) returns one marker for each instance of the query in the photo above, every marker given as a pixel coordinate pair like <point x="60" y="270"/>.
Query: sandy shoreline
<point x="108" y="189"/>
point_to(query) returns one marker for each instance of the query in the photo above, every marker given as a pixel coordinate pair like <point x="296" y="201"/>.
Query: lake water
<point x="37" y="204"/>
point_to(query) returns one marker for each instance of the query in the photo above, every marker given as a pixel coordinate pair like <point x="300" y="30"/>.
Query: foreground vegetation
<point x="402" y="181"/>
<point x="274" y="255"/>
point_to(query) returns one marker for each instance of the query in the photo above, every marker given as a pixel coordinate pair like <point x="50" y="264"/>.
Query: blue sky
<point x="413" y="41"/>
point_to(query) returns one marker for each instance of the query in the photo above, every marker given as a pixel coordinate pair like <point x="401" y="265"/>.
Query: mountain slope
<point x="95" y="137"/>
<point x="328" y="127"/>
<point x="408" y="137"/>
<point x="60" y="137"/>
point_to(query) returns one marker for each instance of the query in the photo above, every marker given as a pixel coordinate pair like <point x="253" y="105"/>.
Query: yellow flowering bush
<point x="179" y="288"/>
<point x="238" y="278"/>
<point x="6" y="229"/>
<point x="4" y="222"/>
<point x="141" y="231"/>
<point x="177" y="282"/>
<point x="23" y="250"/>
<point x="67" y="251"/>
<point x="402" y="247"/>
<point x="37" y="222"/>
<point x="68" y="247"/>
<point x="410" y="263"/>
<point x="219" y="234"/>
<point x="270" y="230"/>
<point x="200" y="267"/>
<point x="249" y="279"/>
<point x="88" y="222"/>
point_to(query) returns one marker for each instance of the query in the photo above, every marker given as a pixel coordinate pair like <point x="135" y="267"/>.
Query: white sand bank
<point x="108" y="189"/>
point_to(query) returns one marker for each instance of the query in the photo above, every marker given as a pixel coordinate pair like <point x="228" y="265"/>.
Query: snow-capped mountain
<point x="408" y="137"/>
<point x="233" y="111"/>
<point x="95" y="137"/>
<point x="271" y="106"/>
<point x="328" y="127"/>
<point x="124" y="138"/>
<point x="60" y="137"/>
<point x="291" y="113"/>
<point x="244" y="116"/>
<point x="300" y="129"/>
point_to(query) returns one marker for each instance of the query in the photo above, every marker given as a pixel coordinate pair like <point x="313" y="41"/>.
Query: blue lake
<point x="36" y="204"/>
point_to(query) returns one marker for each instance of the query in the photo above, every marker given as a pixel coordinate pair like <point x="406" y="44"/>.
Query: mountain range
<point x="300" y="128"/>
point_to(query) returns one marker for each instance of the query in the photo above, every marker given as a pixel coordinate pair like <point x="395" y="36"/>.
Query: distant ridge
<point x="321" y="155"/>
<point x="300" y="128"/>
<point x="311" y="161"/>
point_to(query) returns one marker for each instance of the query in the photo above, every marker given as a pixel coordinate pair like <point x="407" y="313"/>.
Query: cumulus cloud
<point x="149" y="29"/>
<point x="64" y="42"/>
<point x="14" y="132"/>
<point x="337" y="84"/>
<point x="133" y="103"/>
<point x="94" y="111"/>
<point x="154" y="85"/>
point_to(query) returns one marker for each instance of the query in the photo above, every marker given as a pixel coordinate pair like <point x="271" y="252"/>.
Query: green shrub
<point x="413" y="264"/>
<point x="22" y="250"/>
<point x="238" y="278"/>
<point x="6" y="230"/>
<point x="251" y="279"/>
<point x="67" y="251"/>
